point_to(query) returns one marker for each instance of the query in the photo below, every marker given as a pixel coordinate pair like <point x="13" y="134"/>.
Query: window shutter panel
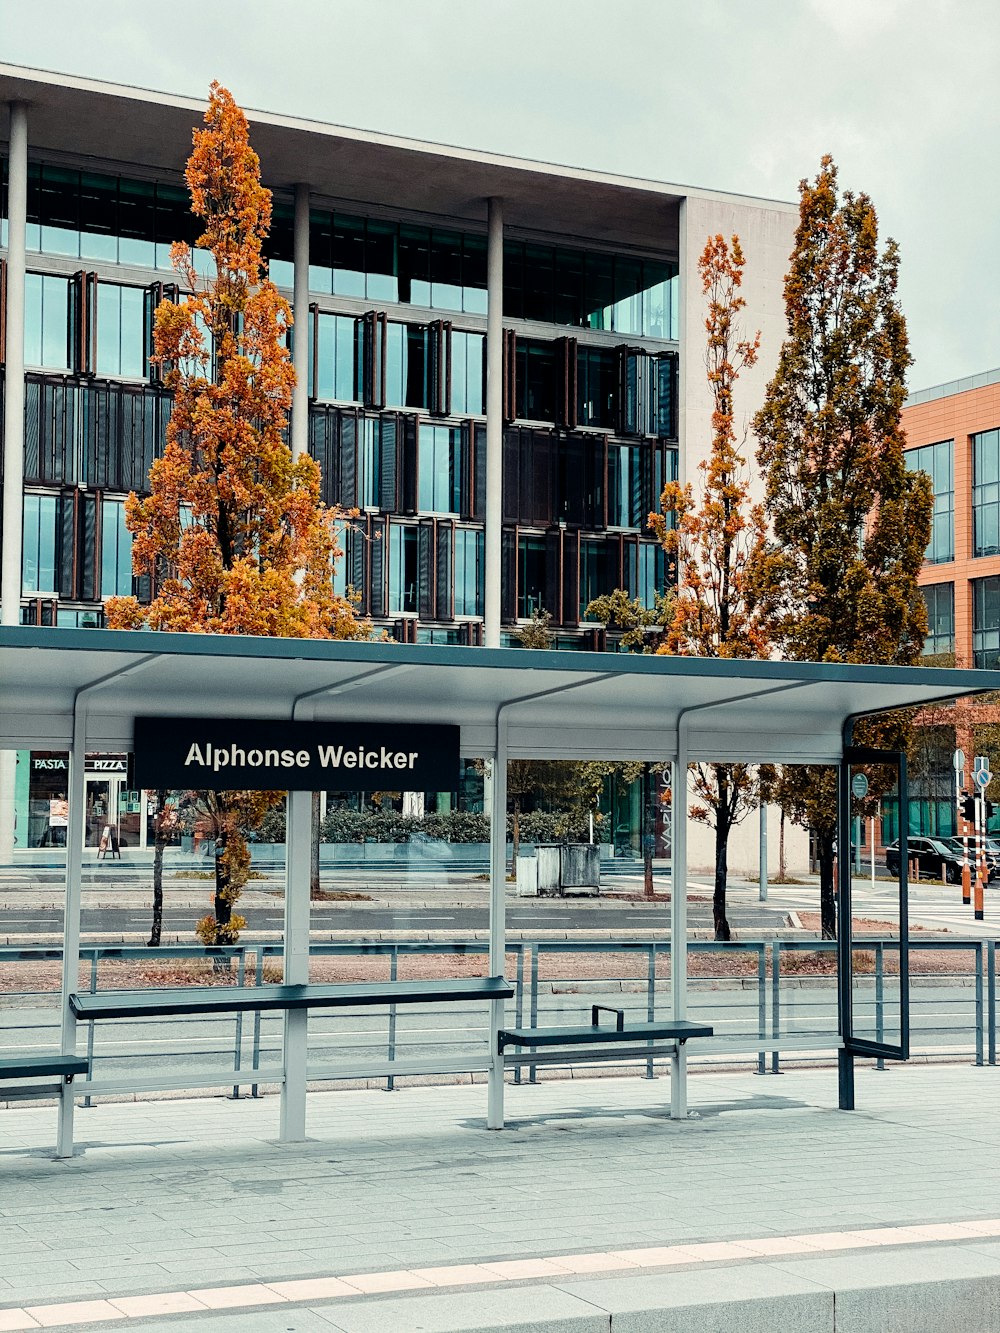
<point x="439" y="367"/>
<point x="511" y="473"/>
<point x="379" y="343"/>
<point x="552" y="595"/>
<point x="391" y="426"/>
<point x="3" y="312"/>
<point x="83" y="323"/>
<point x="571" y="578"/>
<point x="479" y="470"/>
<point x="630" y="564"/>
<point x="508" y="575"/>
<point x="88" y="578"/>
<point x="355" y="555"/>
<point x="378" y="533"/>
<point x="348" y="459"/>
<point x="509" y="375"/>
<point x="425" y="569"/>
<point x="33" y="400"/>
<point x="467" y="465"/>
<point x="151" y="298"/>
<point x="663" y="421"/>
<point x="66" y="536"/>
<point x="444" y="570"/>
<point x="408" y="465"/>
<point x="566" y="361"/>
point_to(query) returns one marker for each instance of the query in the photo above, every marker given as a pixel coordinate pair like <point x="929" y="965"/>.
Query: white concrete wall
<point x="766" y="235"/>
<point x="744" y="846"/>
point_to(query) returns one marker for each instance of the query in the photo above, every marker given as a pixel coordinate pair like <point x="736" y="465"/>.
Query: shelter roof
<point x="557" y="704"/>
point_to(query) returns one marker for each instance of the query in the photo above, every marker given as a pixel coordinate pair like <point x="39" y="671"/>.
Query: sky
<point x="723" y="94"/>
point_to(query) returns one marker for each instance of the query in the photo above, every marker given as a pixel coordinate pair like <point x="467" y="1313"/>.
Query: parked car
<point x="992" y="853"/>
<point x="935" y="857"/>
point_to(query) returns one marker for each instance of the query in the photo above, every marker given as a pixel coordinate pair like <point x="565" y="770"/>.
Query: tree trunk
<point x="827" y="902"/>
<point x="159" y="844"/>
<point x="782" y="868"/>
<point x="722" y="827"/>
<point x="314" y="884"/>
<point x="223" y="907"/>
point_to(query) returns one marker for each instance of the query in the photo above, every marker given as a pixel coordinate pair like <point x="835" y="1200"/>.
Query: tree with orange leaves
<point x="710" y="539"/>
<point x="233" y="535"/>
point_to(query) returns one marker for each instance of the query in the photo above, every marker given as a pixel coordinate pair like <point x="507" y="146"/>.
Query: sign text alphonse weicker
<point x="250" y="755"/>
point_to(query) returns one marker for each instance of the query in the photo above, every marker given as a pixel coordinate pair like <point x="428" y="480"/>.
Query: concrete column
<point x="297" y="845"/>
<point x="13" y="425"/>
<point x="686" y="277"/>
<point x="762" y="871"/>
<point x="678" y="917"/>
<point x="498" y="924"/>
<point x="494" y="422"/>
<point x="300" y="311"/>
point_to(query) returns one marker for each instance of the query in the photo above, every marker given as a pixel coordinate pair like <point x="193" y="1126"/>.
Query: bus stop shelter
<point x="78" y="691"/>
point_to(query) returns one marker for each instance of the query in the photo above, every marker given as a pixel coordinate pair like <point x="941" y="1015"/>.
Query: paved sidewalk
<point x="188" y="1195"/>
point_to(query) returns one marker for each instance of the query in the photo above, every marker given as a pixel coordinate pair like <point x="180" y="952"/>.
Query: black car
<point x="935" y="857"/>
<point x="992" y="854"/>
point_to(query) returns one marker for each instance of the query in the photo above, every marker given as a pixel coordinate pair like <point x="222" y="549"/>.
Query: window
<point x="593" y="572"/>
<point x="986" y="623"/>
<point x="116" y="551"/>
<point x="652" y="572"/>
<point x="985" y="492"/>
<point x="279" y="247"/>
<point x="536" y="380"/>
<point x="120" y="330"/>
<point x="936" y="461"/>
<point x="333" y="376"/>
<point x="530" y="576"/>
<point x="469" y="571"/>
<point x="439" y="469"/>
<point x="940" y="599"/>
<point x="369" y="462"/>
<point x="468" y="374"/>
<point x="626" y="494"/>
<point x="46" y="322"/>
<point x="597" y="386"/>
<point x="402" y="569"/>
<point x="39" y="546"/>
<point x="406" y="366"/>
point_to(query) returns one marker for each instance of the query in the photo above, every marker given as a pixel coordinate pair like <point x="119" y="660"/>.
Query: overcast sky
<point x="727" y="94"/>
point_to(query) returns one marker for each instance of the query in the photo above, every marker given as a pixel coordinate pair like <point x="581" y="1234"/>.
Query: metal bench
<point x="553" y="1045"/>
<point x="233" y="999"/>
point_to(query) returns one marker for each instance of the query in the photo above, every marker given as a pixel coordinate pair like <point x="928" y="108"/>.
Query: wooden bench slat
<point x="232" y="999"/>
<point x="26" y="1066"/>
<point x="589" y="1035"/>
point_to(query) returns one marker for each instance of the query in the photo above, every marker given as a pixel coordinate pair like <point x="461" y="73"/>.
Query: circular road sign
<point x="859" y="785"/>
<point x="983" y="777"/>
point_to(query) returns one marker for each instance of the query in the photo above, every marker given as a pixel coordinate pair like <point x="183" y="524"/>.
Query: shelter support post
<point x="845" y="957"/>
<point x="678" y="919"/>
<point x="296" y="1022"/>
<point x="71" y="920"/>
<point x="498" y="921"/>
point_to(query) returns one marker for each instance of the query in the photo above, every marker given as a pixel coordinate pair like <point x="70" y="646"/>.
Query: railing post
<point x="879" y="998"/>
<point x="991" y="998"/>
<point x="762" y="1003"/>
<point x="775" y="1004"/>
<point x="390" y="1082"/>
<point x="979" y="1001"/>
<point x="532" y="1069"/>
<point x="259" y="981"/>
<point x="519" y="999"/>
<point x="650" y="996"/>
<point x="241" y="974"/>
<point x="91" y="1026"/>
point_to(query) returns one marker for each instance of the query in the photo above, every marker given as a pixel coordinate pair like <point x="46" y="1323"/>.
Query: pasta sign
<point x="244" y="754"/>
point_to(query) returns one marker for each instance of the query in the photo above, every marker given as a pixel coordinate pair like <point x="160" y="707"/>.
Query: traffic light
<point x="967" y="806"/>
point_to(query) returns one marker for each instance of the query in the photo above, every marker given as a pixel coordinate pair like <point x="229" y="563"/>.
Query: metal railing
<point x="762" y="1007"/>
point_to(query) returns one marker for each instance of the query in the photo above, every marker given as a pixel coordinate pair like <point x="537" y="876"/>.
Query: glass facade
<point x="468" y="374"/>
<point x="46" y="322"/>
<point x="39" y="564"/>
<point x="402" y="569"/>
<point x="116" y="551"/>
<point x="986" y="623"/>
<point x="439" y="469"/>
<point x="530" y="576"/>
<point x="407" y="366"/>
<point x="120" y="330"/>
<point x="986" y="492"/>
<point x="469" y="571"/>
<point x="332" y="376"/>
<point x="940" y="600"/>
<point x="597" y="386"/>
<point x="937" y="460"/>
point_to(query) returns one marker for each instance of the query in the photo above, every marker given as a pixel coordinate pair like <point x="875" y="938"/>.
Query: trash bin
<point x="548" y="859"/>
<point x="580" y="867"/>
<point x="527" y="876"/>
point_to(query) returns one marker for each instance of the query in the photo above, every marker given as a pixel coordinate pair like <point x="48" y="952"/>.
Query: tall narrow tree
<point x="712" y="534"/>
<point x="233" y="536"/>
<point x="849" y="524"/>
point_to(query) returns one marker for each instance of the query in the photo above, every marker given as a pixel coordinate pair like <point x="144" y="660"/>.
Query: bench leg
<point x="293" y="1090"/>
<point x="494" y="1093"/>
<point x="64" y="1132"/>
<point x="678" y="1083"/>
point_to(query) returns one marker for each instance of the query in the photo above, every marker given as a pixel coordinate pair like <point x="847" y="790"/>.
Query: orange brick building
<point x="953" y="434"/>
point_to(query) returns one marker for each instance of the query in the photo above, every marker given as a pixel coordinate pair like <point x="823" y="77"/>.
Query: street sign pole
<point x="962" y="824"/>
<point x="982" y="777"/>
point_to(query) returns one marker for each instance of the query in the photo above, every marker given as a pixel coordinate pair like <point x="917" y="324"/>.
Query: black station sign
<point x="209" y="754"/>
